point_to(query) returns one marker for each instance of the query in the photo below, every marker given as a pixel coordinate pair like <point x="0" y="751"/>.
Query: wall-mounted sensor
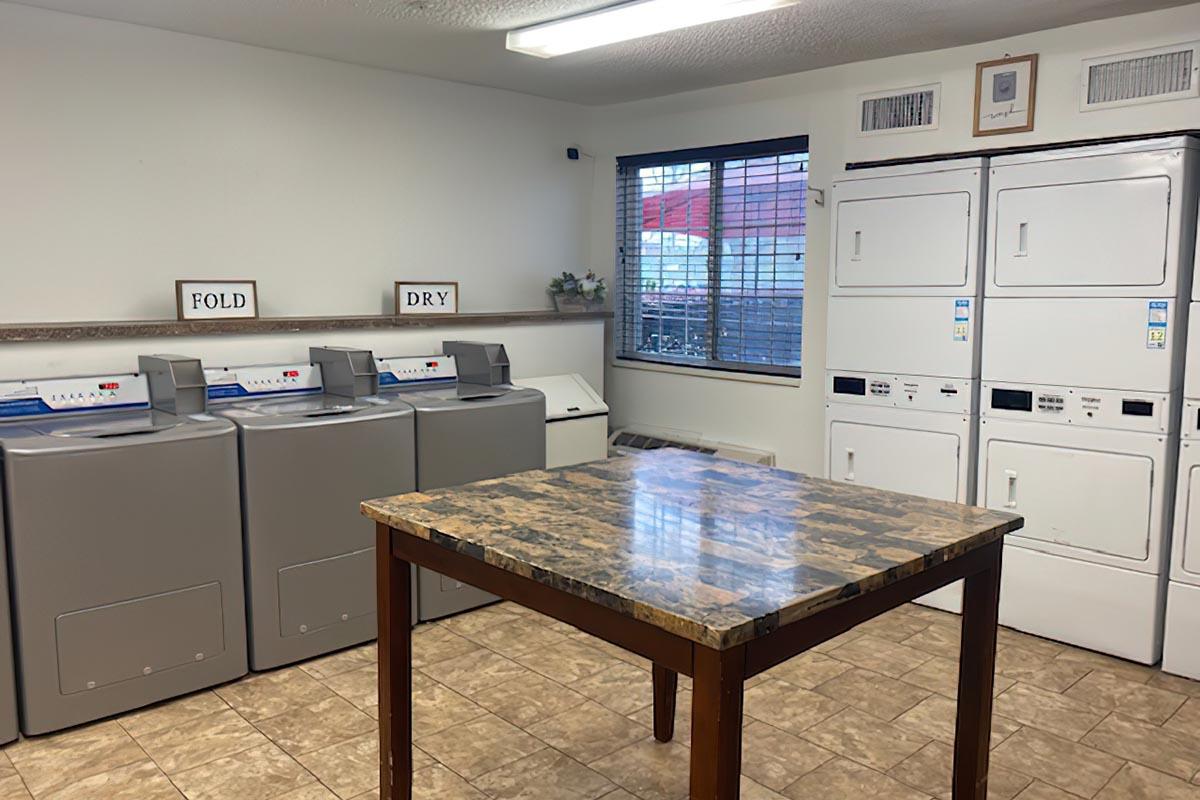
<point x="573" y="153"/>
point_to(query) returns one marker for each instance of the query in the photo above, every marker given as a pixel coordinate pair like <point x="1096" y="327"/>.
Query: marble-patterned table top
<point x="716" y="551"/>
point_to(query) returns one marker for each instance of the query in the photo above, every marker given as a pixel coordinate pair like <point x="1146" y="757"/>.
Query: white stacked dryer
<point x="1089" y="253"/>
<point x="1181" y="642"/>
<point x="903" y="348"/>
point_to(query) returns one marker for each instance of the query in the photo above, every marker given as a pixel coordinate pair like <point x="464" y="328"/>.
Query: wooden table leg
<point x="394" y="589"/>
<point x="717" y="685"/>
<point x="666" y="682"/>
<point x="976" y="673"/>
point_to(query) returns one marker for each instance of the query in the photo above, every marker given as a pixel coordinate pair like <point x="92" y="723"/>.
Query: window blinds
<point x="710" y="256"/>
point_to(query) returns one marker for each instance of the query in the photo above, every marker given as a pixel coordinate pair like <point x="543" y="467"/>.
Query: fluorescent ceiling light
<point x="629" y="21"/>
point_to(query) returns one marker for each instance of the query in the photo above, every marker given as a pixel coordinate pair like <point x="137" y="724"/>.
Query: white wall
<point x="130" y="157"/>
<point x="788" y="418"/>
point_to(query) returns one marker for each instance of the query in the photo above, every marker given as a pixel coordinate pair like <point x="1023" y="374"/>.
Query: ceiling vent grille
<point x="899" y="110"/>
<point x="1147" y="76"/>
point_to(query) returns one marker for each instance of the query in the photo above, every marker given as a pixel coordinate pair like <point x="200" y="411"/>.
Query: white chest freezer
<point x="576" y="419"/>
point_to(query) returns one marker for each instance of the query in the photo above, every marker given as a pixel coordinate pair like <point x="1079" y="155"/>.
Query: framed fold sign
<point x="1005" y="91"/>
<point x="216" y="300"/>
<point x="425" y="297"/>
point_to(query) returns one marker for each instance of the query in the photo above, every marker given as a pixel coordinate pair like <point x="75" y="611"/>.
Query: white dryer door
<point x="923" y="463"/>
<point x="911" y="241"/>
<point x="1191" y="526"/>
<point x="1087" y="499"/>
<point x="1091" y="233"/>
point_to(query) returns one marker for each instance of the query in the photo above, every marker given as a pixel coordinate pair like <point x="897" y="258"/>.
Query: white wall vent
<point x="916" y="108"/>
<point x="1145" y="76"/>
<point x="630" y="440"/>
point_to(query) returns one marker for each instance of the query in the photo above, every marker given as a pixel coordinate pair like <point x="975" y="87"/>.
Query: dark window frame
<point x="629" y="222"/>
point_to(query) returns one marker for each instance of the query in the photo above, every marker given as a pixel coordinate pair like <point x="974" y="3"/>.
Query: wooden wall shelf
<point x="77" y="331"/>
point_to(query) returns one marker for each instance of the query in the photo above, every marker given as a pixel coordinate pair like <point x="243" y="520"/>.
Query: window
<point x="710" y="256"/>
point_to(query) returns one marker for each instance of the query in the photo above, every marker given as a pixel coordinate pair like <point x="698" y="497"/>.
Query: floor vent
<point x="638" y="441"/>
<point x="899" y="110"/>
<point x="1146" y="76"/>
<point x="630" y="440"/>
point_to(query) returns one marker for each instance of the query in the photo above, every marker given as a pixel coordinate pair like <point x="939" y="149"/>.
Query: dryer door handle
<point x="849" y="464"/>
<point x="1011" y="475"/>
<point x="1022" y="240"/>
<point x="857" y="256"/>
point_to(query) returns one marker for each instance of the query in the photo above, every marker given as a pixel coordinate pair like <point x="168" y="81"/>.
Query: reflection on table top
<point x="713" y="550"/>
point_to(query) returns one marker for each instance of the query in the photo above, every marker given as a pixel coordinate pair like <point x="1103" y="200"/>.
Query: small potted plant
<point x="578" y="294"/>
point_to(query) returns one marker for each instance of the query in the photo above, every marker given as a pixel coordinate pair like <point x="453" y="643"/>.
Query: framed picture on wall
<point x="1005" y="91"/>
<point x="208" y="300"/>
<point x="426" y="297"/>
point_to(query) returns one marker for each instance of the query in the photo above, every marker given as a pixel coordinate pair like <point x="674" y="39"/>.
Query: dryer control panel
<point x="35" y="398"/>
<point x="416" y="370"/>
<point x="275" y="380"/>
<point x="1191" y="420"/>
<point x="1072" y="405"/>
<point x="918" y="392"/>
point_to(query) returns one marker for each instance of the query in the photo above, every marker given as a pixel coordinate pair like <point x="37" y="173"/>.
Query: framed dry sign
<point x="426" y="297"/>
<point x="216" y="300"/>
<point x="1005" y="91"/>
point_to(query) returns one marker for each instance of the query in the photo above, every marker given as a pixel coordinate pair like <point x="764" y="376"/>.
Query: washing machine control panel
<point x="415" y="370"/>
<point x="917" y="392"/>
<point x="1097" y="408"/>
<point x="236" y="383"/>
<point x="35" y="398"/>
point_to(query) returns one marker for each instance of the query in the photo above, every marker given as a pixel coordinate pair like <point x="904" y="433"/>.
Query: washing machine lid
<point x="291" y="410"/>
<point x="109" y="426"/>
<point x="447" y="398"/>
<point x="283" y="395"/>
<point x="100" y="430"/>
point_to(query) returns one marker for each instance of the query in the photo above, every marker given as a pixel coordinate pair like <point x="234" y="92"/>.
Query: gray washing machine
<point x="311" y="451"/>
<point x="471" y="424"/>
<point x="123" y="525"/>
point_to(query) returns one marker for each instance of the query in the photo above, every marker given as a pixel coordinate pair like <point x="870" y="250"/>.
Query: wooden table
<point x="711" y="568"/>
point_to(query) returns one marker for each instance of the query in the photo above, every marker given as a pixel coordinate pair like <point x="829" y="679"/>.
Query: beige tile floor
<point x="511" y="705"/>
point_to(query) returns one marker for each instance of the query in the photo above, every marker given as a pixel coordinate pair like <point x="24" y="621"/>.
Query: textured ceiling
<point x="463" y="40"/>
